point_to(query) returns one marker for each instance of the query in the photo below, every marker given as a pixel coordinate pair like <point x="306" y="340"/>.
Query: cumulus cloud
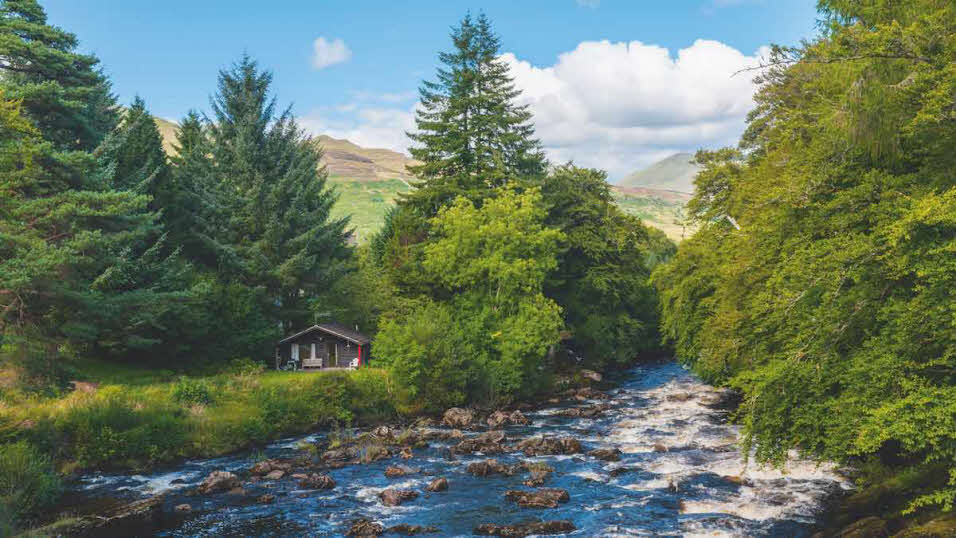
<point x="327" y="52"/>
<point x="368" y="126"/>
<point x="620" y="106"/>
<point x="614" y="106"/>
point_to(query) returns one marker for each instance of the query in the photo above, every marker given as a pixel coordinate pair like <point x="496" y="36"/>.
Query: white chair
<point x="353" y="364"/>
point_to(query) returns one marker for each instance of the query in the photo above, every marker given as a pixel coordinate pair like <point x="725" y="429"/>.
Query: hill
<point x="674" y="173"/>
<point x="345" y="159"/>
<point x="368" y="180"/>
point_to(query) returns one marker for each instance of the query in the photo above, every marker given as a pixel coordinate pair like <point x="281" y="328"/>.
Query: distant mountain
<point x="167" y="130"/>
<point x="348" y="160"/>
<point x="675" y="173"/>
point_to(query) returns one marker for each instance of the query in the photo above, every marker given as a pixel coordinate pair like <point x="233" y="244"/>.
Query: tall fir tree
<point x="276" y="205"/>
<point x="61" y="91"/>
<point x="472" y="135"/>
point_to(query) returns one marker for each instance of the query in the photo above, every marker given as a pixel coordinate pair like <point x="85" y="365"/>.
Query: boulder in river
<point x="183" y="508"/>
<point x="526" y="528"/>
<point x="518" y="418"/>
<point x="265" y="467"/>
<point x="497" y="419"/>
<point x="490" y="467"/>
<point x="317" y="481"/>
<point x="275" y="475"/>
<point x="365" y="527"/>
<point x="411" y="530"/>
<point x="486" y="443"/>
<point x="218" y="481"/>
<point x="456" y="417"/>
<point x="438" y="484"/>
<point x="395" y="497"/>
<point x="540" y="498"/>
<point x="398" y="471"/>
<point x="541" y="446"/>
<point x="268" y="498"/>
<point x="606" y="454"/>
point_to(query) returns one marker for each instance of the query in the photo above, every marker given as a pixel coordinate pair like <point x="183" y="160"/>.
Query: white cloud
<point x="620" y="106"/>
<point x="329" y="52"/>
<point x="614" y="106"/>
<point x="368" y="126"/>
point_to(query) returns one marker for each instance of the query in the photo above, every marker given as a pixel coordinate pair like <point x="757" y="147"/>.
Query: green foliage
<point x="28" y="483"/>
<point x="489" y="335"/>
<point x="192" y="391"/>
<point x="822" y="281"/>
<point x="601" y="278"/>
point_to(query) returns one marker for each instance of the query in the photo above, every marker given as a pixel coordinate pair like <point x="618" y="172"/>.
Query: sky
<point x="613" y="84"/>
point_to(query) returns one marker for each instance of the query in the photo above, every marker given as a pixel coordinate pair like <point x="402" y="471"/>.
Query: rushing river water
<point x="698" y="486"/>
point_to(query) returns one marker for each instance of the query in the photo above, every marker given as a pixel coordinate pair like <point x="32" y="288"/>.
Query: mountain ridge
<point x="673" y="173"/>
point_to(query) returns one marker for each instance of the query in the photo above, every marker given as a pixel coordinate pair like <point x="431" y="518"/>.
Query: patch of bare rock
<point x="436" y="485"/>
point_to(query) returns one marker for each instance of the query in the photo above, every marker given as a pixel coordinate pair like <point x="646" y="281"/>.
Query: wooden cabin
<point x="323" y="346"/>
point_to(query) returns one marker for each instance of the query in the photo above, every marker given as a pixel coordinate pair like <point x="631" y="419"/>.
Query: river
<point x="679" y="474"/>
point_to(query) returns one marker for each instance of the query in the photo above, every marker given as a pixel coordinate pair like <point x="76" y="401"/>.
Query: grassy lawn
<point x="661" y="214"/>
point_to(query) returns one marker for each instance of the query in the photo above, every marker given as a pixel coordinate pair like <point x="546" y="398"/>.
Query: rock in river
<point x="457" y="417"/>
<point x="525" y="529"/>
<point x="540" y="498"/>
<point x="438" y="484"/>
<point x="395" y="497"/>
<point x="490" y="467"/>
<point x="540" y="446"/>
<point x="411" y="530"/>
<point x="486" y="443"/>
<point x="365" y="527"/>
<point x="219" y="481"/>
<point x="317" y="481"/>
<point x="606" y="454"/>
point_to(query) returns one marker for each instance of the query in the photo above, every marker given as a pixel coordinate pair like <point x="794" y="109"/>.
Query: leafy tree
<point x="272" y="196"/>
<point x="828" y="296"/>
<point x="601" y="277"/>
<point x="472" y="135"/>
<point x="488" y="266"/>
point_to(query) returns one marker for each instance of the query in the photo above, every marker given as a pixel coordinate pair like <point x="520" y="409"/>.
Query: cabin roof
<point x="335" y="329"/>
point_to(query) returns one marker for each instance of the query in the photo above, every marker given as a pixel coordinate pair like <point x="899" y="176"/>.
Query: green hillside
<point x="675" y="173"/>
<point x="365" y="202"/>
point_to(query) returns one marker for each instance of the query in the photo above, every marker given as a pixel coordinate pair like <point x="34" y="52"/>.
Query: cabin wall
<point x="327" y="347"/>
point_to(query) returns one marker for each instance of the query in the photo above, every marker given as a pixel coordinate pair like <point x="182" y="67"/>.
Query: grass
<point x="131" y="422"/>
<point x="365" y="202"/>
<point x="662" y="214"/>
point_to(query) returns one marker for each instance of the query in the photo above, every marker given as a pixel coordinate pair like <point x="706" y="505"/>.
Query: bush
<point x="191" y="391"/>
<point x="28" y="483"/>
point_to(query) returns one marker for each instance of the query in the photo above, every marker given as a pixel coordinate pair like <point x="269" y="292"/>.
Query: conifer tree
<point x="275" y="203"/>
<point x="61" y="91"/>
<point x="471" y="134"/>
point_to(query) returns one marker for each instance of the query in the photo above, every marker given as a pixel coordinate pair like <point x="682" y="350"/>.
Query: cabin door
<point x="331" y="351"/>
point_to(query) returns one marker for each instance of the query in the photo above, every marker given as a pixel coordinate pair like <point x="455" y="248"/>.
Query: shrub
<point x="191" y="391"/>
<point x="28" y="483"/>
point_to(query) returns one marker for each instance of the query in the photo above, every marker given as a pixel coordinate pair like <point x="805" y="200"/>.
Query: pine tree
<point x="273" y="193"/>
<point x="471" y="134"/>
<point x="61" y="91"/>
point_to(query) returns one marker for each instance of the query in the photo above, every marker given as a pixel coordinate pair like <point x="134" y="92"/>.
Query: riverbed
<point x="679" y="473"/>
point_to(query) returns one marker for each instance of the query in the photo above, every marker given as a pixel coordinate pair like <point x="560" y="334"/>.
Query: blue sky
<point x="169" y="52"/>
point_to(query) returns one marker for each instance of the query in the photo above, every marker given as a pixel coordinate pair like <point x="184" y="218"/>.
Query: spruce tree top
<point x="61" y="91"/>
<point x="471" y="135"/>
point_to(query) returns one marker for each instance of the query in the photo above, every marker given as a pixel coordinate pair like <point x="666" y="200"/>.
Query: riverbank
<point x="653" y="454"/>
<point x="141" y="422"/>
